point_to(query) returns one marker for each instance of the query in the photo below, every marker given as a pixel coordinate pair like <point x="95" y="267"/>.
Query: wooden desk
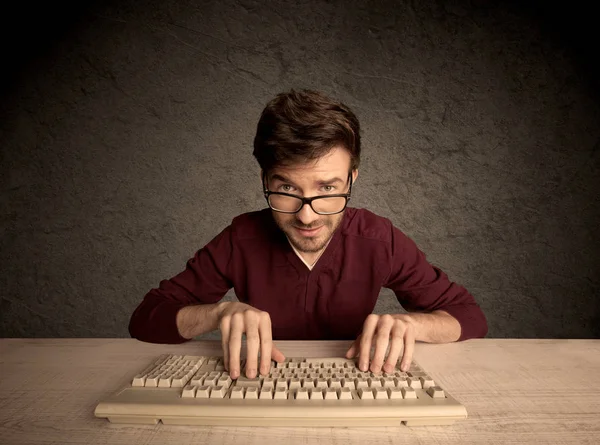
<point x="515" y="391"/>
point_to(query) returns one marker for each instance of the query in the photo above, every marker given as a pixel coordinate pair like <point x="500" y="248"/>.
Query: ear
<point x="354" y="175"/>
<point x="263" y="179"/>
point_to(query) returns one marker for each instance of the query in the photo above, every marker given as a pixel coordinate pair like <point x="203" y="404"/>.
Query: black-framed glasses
<point x="321" y="205"/>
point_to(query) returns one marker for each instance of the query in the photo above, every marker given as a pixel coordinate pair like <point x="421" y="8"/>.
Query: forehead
<point x="334" y="163"/>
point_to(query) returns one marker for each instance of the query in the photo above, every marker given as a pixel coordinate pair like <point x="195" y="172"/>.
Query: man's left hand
<point x="380" y="331"/>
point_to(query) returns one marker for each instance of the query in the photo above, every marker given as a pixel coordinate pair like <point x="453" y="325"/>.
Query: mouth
<point x="309" y="232"/>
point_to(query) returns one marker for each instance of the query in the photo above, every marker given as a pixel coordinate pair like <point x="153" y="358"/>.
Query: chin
<point x="310" y="247"/>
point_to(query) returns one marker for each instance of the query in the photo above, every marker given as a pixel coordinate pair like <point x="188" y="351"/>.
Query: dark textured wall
<point x="127" y="135"/>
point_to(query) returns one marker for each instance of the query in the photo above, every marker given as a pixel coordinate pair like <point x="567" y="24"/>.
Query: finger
<point x="382" y="340"/>
<point x="351" y="353"/>
<point x="224" y="327"/>
<point x="277" y="355"/>
<point x="235" y="344"/>
<point x="409" y="347"/>
<point x="396" y="345"/>
<point x="365" y="342"/>
<point x="266" y="342"/>
<point x="252" y="343"/>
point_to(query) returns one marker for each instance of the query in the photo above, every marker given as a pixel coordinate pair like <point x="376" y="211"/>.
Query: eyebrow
<point x="281" y="178"/>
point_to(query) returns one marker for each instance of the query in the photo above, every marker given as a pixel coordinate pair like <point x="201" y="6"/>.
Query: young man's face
<point x="308" y="231"/>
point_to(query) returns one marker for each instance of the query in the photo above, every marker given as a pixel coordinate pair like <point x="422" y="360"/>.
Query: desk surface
<point x="515" y="391"/>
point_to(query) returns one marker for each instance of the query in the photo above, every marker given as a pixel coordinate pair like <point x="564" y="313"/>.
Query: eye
<point x="328" y="188"/>
<point x="286" y="188"/>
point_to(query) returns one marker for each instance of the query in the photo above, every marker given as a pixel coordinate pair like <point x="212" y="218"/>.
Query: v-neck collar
<point x="299" y="255"/>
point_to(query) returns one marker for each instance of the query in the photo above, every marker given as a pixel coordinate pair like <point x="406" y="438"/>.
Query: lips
<point x="310" y="232"/>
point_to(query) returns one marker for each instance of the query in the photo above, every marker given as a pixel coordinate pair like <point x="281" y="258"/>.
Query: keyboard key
<point x="345" y="394"/>
<point x="388" y="382"/>
<point x="194" y="358"/>
<point x="280" y="393"/>
<point x="316" y="394"/>
<point x="179" y="381"/>
<point x="401" y="382"/>
<point x="414" y="382"/>
<point x="365" y="393"/>
<point x="335" y="382"/>
<point x="295" y="383"/>
<point x="203" y="392"/>
<point x="408" y="393"/>
<point x="189" y="391"/>
<point x="308" y="383"/>
<point x="246" y="382"/>
<point x="361" y="383"/>
<point x="224" y="381"/>
<point x="164" y="382"/>
<point x="331" y="394"/>
<point x="206" y="367"/>
<point x="348" y="383"/>
<point x="211" y="381"/>
<point x="152" y="380"/>
<point x="436" y="392"/>
<point x="321" y="383"/>
<point x="139" y="380"/>
<point x="266" y="393"/>
<point x="394" y="393"/>
<point x="380" y="393"/>
<point x="218" y="392"/>
<point x="375" y="383"/>
<point x="237" y="392"/>
<point x="198" y="380"/>
<point x="302" y="394"/>
<point x="251" y="392"/>
<point x="426" y="382"/>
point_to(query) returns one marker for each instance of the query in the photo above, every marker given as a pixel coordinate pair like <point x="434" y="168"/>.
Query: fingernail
<point x="251" y="373"/>
<point x="363" y="366"/>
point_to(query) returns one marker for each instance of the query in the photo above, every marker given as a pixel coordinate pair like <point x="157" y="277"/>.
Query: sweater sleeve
<point x="422" y="287"/>
<point x="204" y="280"/>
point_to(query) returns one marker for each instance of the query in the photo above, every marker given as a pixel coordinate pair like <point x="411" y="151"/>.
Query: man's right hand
<point x="239" y="318"/>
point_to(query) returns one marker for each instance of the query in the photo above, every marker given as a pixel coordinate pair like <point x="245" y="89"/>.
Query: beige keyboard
<point x="194" y="390"/>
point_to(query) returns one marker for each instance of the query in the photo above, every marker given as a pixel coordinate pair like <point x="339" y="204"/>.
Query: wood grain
<point x="515" y="391"/>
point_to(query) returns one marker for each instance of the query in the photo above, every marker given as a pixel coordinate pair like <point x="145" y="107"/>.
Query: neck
<point x="310" y="258"/>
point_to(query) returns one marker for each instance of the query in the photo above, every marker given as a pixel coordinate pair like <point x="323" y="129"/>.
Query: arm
<point x="193" y="292"/>
<point x="441" y="310"/>
<point x="198" y="319"/>
<point x="434" y="327"/>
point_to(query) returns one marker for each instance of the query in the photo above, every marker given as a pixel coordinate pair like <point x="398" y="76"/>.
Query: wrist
<point x="415" y="321"/>
<point x="220" y="309"/>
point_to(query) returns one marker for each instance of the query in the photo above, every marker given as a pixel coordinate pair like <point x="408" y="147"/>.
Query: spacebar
<point x="336" y="360"/>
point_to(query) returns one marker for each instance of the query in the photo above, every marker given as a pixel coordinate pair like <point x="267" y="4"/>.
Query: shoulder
<point x="366" y="224"/>
<point x="252" y="224"/>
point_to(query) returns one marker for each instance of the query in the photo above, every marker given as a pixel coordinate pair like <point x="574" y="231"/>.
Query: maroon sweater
<point x="253" y="256"/>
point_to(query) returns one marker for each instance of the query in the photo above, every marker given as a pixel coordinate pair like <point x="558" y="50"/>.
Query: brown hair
<point x="301" y="126"/>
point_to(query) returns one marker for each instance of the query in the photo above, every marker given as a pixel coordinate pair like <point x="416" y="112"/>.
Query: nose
<point x="306" y="215"/>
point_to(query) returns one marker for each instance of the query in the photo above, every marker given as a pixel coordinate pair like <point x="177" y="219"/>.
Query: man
<point x="309" y="267"/>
